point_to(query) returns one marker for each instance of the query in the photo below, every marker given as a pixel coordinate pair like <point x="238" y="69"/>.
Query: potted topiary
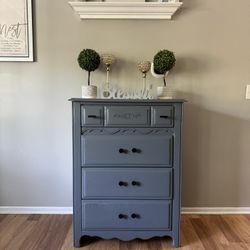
<point x="163" y="62"/>
<point x="89" y="60"/>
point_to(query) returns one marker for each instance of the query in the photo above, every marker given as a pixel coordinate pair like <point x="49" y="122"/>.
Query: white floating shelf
<point x="125" y="10"/>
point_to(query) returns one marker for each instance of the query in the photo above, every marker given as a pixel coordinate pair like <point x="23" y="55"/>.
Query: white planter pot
<point x="164" y="93"/>
<point x="89" y="91"/>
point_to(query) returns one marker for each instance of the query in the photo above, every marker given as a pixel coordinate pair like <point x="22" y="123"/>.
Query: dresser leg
<point x="84" y="240"/>
<point x="77" y="241"/>
<point x="176" y="242"/>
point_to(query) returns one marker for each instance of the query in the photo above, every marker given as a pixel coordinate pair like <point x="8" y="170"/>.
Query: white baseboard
<point x="36" y="210"/>
<point x="69" y="210"/>
<point x="215" y="210"/>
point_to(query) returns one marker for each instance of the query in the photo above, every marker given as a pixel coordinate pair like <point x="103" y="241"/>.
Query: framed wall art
<point x="16" y="30"/>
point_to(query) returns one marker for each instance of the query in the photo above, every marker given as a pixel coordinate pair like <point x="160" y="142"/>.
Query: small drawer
<point x="92" y="115"/>
<point x="137" y="150"/>
<point x="126" y="215"/>
<point x="162" y="116"/>
<point x="127" y="116"/>
<point x="138" y="183"/>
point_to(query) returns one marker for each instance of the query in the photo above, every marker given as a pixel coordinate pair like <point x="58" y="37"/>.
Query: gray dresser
<point x="126" y="169"/>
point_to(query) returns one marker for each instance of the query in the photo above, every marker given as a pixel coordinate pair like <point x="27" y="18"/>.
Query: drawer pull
<point x="135" y="183"/>
<point x="164" y="116"/>
<point x="123" y="183"/>
<point x="136" y="150"/>
<point x="135" y="216"/>
<point x="92" y="116"/>
<point x="122" y="216"/>
<point x="123" y="151"/>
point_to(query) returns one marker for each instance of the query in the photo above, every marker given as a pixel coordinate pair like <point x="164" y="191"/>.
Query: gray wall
<point x="211" y="39"/>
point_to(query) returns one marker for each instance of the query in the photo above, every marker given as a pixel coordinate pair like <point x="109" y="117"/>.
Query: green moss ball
<point x="164" y="60"/>
<point x="89" y="60"/>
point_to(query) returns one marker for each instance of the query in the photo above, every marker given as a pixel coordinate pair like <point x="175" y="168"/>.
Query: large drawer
<point x="134" y="215"/>
<point x="138" y="116"/>
<point x="127" y="150"/>
<point x="139" y="183"/>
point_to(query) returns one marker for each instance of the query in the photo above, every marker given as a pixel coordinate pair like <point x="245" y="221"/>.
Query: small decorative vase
<point x="89" y="91"/>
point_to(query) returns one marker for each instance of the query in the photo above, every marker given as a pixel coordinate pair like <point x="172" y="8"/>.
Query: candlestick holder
<point x="107" y="60"/>
<point x="144" y="67"/>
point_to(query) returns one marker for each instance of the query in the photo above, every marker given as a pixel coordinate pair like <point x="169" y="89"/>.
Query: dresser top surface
<point x="85" y="100"/>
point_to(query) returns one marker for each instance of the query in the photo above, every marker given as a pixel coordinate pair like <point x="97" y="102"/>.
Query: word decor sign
<point x="16" y="30"/>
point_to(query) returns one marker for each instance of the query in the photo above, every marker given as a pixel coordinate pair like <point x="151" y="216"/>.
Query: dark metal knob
<point x="123" y="183"/>
<point x="92" y="116"/>
<point x="135" y="216"/>
<point x="122" y="150"/>
<point x="135" y="183"/>
<point x="122" y="216"/>
<point x="134" y="150"/>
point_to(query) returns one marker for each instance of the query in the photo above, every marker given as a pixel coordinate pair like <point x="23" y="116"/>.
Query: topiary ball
<point x="164" y="60"/>
<point x="89" y="60"/>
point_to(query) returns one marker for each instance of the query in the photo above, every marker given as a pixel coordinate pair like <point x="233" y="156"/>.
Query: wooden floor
<point x="55" y="232"/>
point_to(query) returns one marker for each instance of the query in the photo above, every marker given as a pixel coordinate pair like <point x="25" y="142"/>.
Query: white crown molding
<point x="125" y="10"/>
<point x="69" y="210"/>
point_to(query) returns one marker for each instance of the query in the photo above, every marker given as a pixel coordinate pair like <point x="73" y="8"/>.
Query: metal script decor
<point x="114" y="92"/>
<point x="16" y="32"/>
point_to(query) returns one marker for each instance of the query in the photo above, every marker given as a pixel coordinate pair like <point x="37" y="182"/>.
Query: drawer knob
<point x="136" y="150"/>
<point x="135" y="183"/>
<point x="164" y="116"/>
<point x="92" y="116"/>
<point x="123" y="151"/>
<point x="123" y="183"/>
<point x="122" y="216"/>
<point x="135" y="216"/>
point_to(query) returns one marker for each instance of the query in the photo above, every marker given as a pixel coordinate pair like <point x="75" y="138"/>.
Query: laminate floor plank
<point x="34" y="217"/>
<point x="154" y="244"/>
<point x="9" y="231"/>
<point x="240" y="226"/>
<point x="225" y="228"/>
<point x="2" y="217"/>
<point x="22" y="232"/>
<point x="49" y="232"/>
<point x="37" y="238"/>
<point x="205" y="235"/>
<point x="67" y="243"/>
<point x="189" y="235"/>
<point x="55" y="232"/>
<point x="130" y="245"/>
<point x="142" y="245"/>
<point x="216" y="233"/>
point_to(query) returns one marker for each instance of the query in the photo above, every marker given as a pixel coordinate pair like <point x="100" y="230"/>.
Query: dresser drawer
<point x="139" y="183"/>
<point x="92" y="115"/>
<point x="162" y="116"/>
<point x="134" y="215"/>
<point x="127" y="150"/>
<point x="138" y="116"/>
